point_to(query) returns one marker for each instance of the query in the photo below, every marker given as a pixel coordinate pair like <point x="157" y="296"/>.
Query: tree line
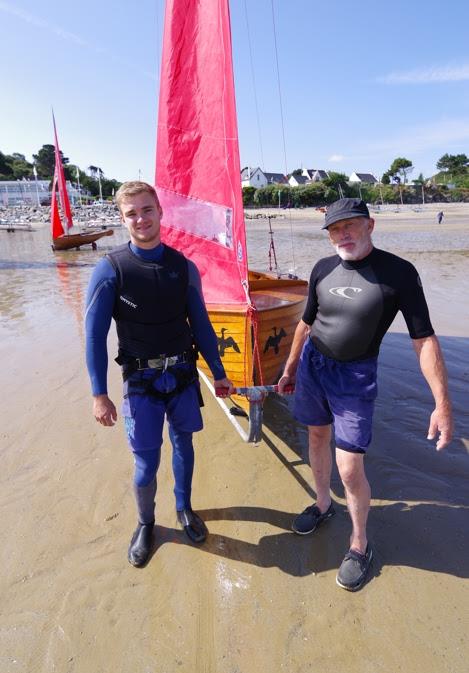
<point x="16" y="167"/>
<point x="451" y="183"/>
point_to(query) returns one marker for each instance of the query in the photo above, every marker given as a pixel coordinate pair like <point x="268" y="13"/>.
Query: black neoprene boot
<point x="141" y="544"/>
<point x="194" y="527"/>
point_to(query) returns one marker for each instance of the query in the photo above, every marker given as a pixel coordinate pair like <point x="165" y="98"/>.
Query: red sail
<point x="59" y="169"/>
<point x="56" y="222"/>
<point x="197" y="159"/>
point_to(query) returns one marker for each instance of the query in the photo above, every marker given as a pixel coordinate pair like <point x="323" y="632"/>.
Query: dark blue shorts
<point x="342" y="393"/>
<point x="144" y="415"/>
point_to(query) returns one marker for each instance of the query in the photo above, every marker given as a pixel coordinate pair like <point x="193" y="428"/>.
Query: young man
<point x="353" y="299"/>
<point x="154" y="295"/>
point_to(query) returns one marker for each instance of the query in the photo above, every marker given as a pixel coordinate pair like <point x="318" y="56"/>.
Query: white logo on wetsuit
<point x="345" y="292"/>
<point x="127" y="301"/>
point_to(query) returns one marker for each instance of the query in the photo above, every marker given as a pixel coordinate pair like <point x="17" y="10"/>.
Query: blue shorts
<point x="144" y="415"/>
<point x="343" y="393"/>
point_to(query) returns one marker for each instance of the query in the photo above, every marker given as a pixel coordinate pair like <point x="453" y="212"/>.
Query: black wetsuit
<point x="351" y="305"/>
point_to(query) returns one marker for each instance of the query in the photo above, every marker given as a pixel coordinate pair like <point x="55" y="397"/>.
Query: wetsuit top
<point x="100" y="301"/>
<point x="351" y="304"/>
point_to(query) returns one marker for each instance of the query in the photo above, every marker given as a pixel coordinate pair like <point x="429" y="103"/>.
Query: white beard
<point x="361" y="249"/>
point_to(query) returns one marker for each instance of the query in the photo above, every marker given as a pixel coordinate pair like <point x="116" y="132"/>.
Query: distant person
<point x="440" y="217"/>
<point x="353" y="299"/>
<point x="154" y="295"/>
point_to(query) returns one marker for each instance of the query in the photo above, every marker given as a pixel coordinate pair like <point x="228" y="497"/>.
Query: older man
<point x="353" y="299"/>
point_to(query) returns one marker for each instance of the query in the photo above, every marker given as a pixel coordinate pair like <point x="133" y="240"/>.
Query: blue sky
<point x="361" y="83"/>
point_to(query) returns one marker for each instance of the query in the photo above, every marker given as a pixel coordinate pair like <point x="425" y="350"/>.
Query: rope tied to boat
<point x="252" y="322"/>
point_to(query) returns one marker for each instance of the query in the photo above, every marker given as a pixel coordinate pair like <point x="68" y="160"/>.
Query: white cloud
<point x="8" y="8"/>
<point x="40" y="23"/>
<point x="430" y="75"/>
<point x="336" y="158"/>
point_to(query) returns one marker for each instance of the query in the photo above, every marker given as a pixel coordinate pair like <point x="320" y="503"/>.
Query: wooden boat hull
<point x="255" y="353"/>
<point x="70" y="241"/>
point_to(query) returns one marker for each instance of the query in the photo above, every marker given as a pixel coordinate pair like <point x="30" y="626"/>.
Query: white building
<point x="33" y="192"/>
<point x="24" y="192"/>
<point x="315" y="174"/>
<point x="259" y="178"/>
<point x="363" y="178"/>
<point x="297" y="180"/>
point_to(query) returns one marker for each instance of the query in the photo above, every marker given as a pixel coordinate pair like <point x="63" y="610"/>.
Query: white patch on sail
<point x="200" y="218"/>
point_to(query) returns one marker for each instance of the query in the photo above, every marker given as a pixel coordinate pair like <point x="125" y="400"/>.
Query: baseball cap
<point x="344" y="209"/>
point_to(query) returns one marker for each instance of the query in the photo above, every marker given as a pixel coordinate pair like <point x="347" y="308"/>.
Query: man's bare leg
<point x="358" y="494"/>
<point x="320" y="459"/>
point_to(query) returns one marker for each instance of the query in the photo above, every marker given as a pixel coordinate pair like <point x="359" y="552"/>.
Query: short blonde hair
<point x="132" y="188"/>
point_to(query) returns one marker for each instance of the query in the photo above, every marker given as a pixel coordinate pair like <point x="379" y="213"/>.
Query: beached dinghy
<point x="60" y="239"/>
<point x="199" y="186"/>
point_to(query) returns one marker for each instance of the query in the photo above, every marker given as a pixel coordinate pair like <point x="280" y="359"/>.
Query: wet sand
<point x="255" y="597"/>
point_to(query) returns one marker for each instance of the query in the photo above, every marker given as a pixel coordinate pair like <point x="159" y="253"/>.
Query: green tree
<point x="6" y="171"/>
<point x="420" y="180"/>
<point x="248" y="195"/>
<point x="45" y="161"/>
<point x="453" y="163"/>
<point x="338" y="182"/>
<point x="401" y="167"/>
<point x="21" y="168"/>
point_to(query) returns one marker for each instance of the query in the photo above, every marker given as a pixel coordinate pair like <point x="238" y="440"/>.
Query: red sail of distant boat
<point x="197" y="159"/>
<point x="56" y="222"/>
<point x="60" y="177"/>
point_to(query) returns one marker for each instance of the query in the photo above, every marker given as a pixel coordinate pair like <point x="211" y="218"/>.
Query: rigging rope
<point x="254" y="87"/>
<point x="283" y="125"/>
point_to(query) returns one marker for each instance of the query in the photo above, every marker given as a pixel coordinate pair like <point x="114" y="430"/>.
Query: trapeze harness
<point x="154" y="336"/>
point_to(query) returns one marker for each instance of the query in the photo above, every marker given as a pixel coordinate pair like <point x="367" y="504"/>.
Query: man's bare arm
<point x="289" y="373"/>
<point x="433" y="368"/>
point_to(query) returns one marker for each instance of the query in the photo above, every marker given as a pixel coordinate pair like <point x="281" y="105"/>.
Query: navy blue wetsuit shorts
<point x="342" y="393"/>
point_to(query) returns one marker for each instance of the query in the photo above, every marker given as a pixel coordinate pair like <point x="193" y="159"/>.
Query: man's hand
<point x="284" y="382"/>
<point x="441" y="422"/>
<point x="223" y="387"/>
<point x="104" y="410"/>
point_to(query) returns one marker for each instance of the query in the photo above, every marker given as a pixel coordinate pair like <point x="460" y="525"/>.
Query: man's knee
<point x="319" y="435"/>
<point x="146" y="466"/>
<point x="351" y="468"/>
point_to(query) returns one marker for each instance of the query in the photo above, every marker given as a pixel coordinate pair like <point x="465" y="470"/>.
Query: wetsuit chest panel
<point x="350" y="307"/>
<point x="150" y="308"/>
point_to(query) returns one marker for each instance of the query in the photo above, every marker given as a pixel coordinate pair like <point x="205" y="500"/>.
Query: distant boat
<point x="198" y="183"/>
<point x="60" y="239"/>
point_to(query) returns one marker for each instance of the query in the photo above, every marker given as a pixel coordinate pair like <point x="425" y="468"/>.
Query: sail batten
<point x="197" y="160"/>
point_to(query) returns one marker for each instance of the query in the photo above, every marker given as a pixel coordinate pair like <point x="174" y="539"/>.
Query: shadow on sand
<point x="426" y="524"/>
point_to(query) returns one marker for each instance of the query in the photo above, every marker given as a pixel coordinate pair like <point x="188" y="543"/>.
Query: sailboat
<point x="199" y="186"/>
<point x="60" y="239"/>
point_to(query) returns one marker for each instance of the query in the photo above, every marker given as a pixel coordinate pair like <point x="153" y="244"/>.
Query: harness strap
<point x="144" y="386"/>
<point x="159" y="363"/>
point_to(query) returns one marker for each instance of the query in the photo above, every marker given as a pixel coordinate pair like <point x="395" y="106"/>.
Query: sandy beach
<point x="254" y="597"/>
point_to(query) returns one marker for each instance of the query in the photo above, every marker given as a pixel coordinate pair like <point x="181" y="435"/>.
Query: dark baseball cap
<point x="343" y="209"/>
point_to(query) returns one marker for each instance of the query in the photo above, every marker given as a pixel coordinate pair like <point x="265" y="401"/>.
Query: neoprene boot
<point x="141" y="544"/>
<point x="194" y="527"/>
